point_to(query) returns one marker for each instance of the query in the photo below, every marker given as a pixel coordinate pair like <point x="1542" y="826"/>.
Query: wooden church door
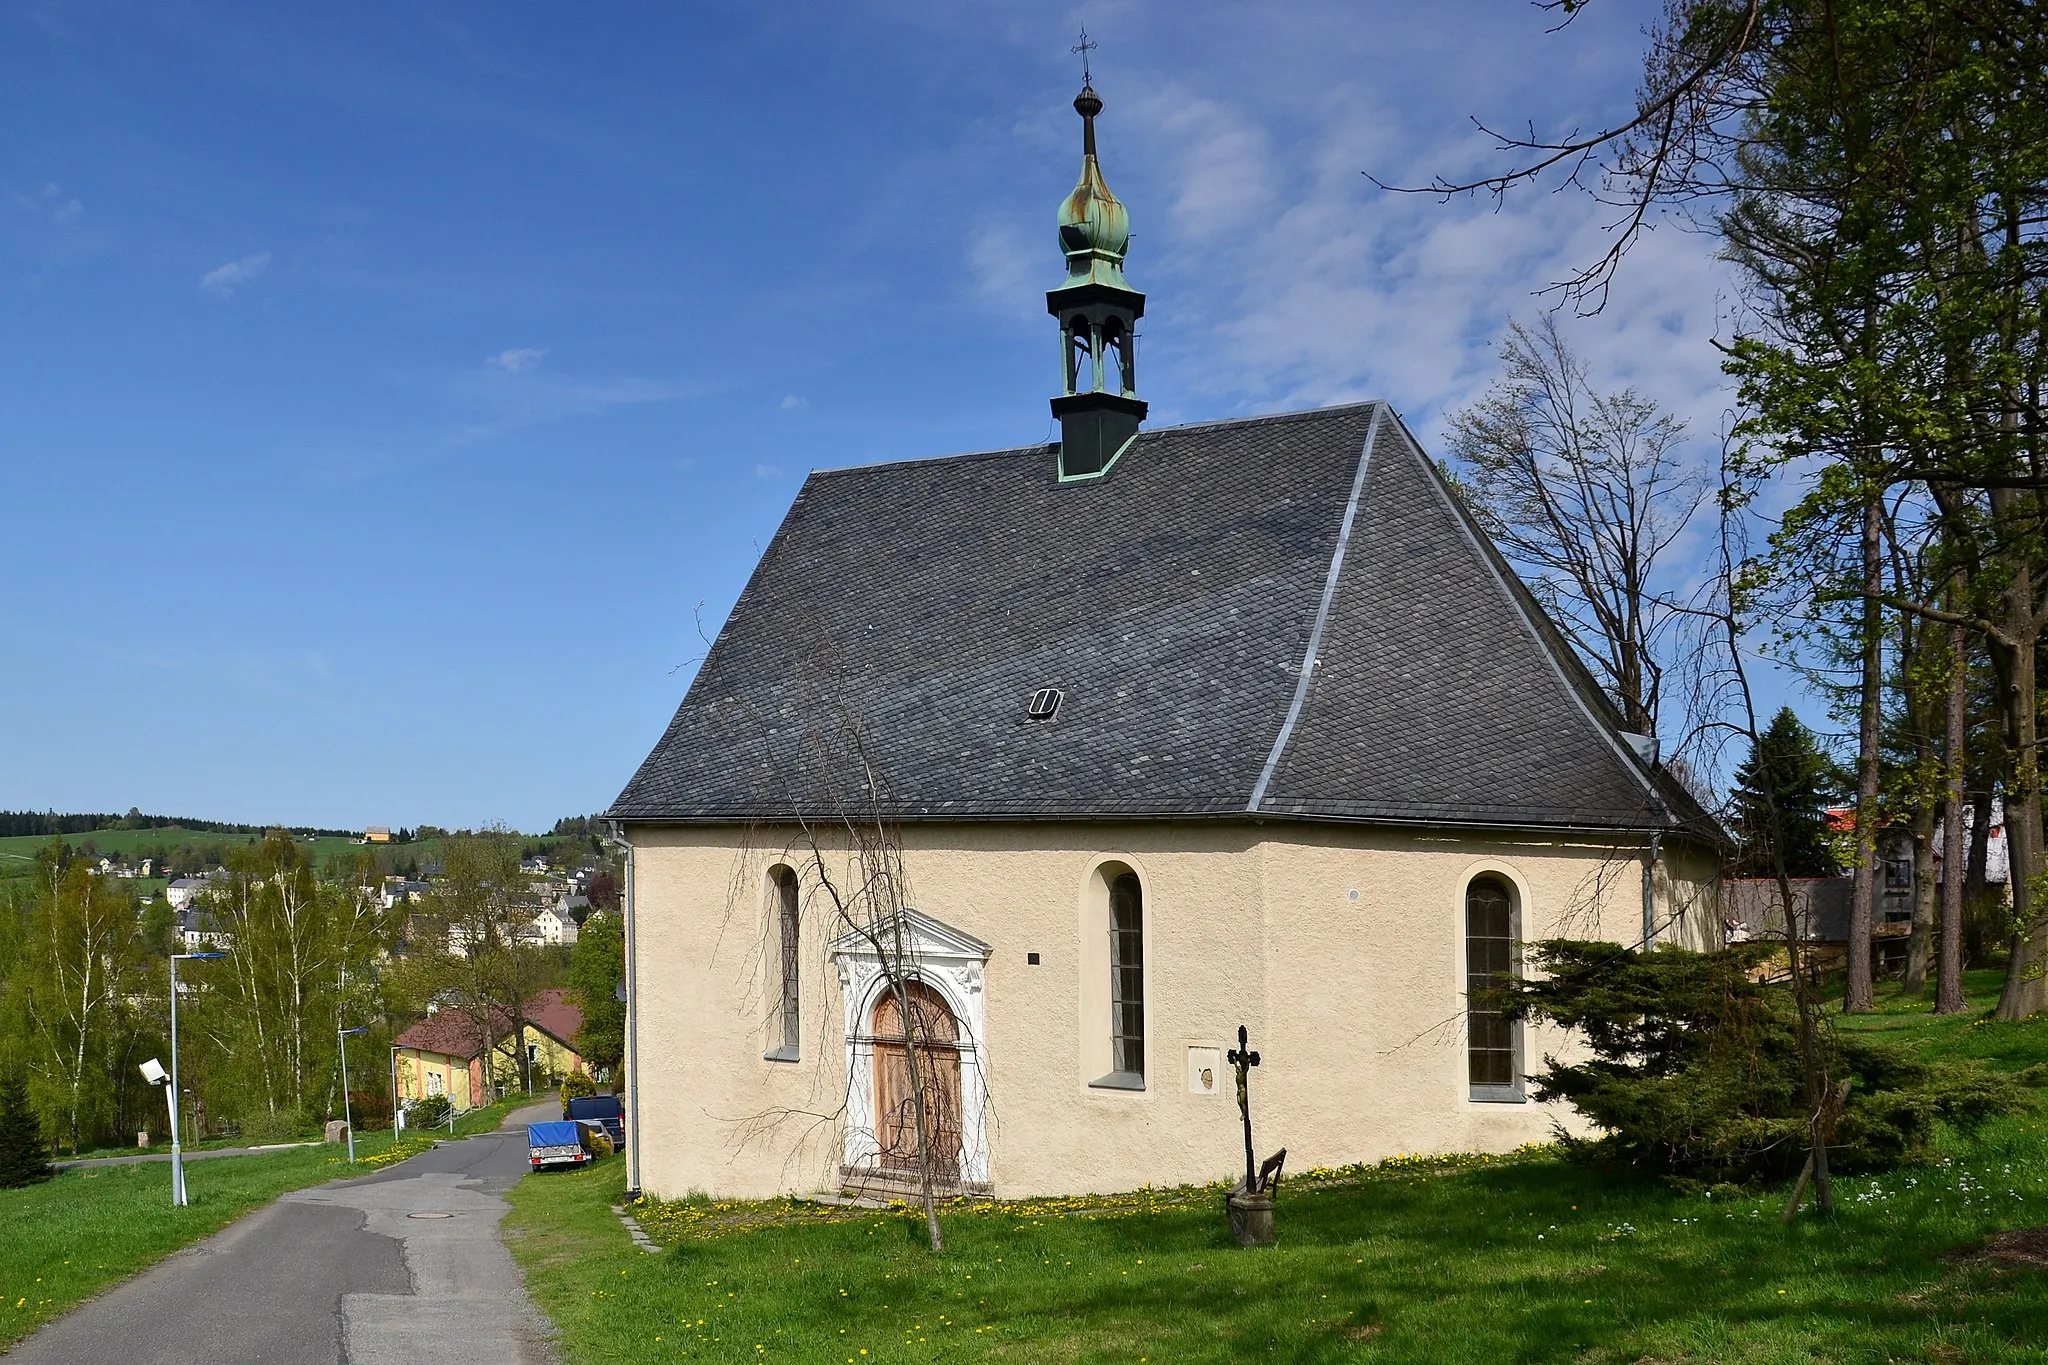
<point x="937" y="1035"/>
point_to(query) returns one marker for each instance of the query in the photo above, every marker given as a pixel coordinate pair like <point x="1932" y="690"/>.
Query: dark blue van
<point x="603" y="1110"/>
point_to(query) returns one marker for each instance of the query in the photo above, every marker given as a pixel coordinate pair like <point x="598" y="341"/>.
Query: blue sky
<point x="389" y="394"/>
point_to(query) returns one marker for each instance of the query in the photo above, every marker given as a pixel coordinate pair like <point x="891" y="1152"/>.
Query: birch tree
<point x="79" y="963"/>
<point x="296" y="940"/>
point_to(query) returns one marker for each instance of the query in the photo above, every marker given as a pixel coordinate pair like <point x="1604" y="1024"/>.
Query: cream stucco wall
<point x="1341" y="948"/>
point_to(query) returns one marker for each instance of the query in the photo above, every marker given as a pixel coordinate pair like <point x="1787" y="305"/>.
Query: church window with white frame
<point x="1127" y="977"/>
<point x="1492" y="954"/>
<point x="788" y="928"/>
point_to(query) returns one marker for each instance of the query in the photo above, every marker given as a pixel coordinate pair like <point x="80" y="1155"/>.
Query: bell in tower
<point x="1098" y="408"/>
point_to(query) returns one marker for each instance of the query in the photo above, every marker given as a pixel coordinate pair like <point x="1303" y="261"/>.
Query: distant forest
<point x="19" y="822"/>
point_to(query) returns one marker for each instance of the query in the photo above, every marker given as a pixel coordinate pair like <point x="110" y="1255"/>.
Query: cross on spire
<point x="1084" y="47"/>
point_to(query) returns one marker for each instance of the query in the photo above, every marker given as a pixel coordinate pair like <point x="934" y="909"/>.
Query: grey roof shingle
<point x="903" y="615"/>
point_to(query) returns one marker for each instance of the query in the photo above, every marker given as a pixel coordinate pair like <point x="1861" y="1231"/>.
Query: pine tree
<point x="1786" y="769"/>
<point x="24" y="1160"/>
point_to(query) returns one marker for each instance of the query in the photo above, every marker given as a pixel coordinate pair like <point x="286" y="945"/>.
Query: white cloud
<point x="517" y="360"/>
<point x="533" y="399"/>
<point x="791" y="402"/>
<point x="59" y="205"/>
<point x="767" y="471"/>
<point x="1010" y="273"/>
<point x="226" y="279"/>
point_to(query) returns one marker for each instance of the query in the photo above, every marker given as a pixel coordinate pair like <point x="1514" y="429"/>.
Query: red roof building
<point x="447" y="1053"/>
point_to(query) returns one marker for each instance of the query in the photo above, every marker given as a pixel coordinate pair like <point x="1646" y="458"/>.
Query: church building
<point x="1055" y="765"/>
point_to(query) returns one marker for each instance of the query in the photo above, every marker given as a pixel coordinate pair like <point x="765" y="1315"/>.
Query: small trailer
<point x="556" y="1143"/>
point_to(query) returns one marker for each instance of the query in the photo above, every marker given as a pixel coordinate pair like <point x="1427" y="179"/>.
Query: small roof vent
<point x="1045" y="704"/>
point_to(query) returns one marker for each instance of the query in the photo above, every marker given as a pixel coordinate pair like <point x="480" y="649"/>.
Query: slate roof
<point x="904" y="614"/>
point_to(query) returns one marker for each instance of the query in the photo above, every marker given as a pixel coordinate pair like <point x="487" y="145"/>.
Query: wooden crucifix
<point x="1244" y="1059"/>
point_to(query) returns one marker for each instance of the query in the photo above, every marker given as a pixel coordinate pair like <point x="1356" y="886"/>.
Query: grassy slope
<point x="1531" y="1260"/>
<point x="17" y="852"/>
<point x="68" y="1239"/>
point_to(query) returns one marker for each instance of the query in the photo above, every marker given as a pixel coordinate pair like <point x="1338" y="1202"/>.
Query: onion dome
<point x="1095" y="228"/>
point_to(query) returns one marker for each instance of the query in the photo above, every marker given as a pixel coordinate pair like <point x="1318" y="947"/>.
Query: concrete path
<point x="403" y="1266"/>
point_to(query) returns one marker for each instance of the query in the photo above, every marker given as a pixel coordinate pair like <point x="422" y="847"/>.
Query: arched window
<point x="1127" y="978"/>
<point x="787" y="961"/>
<point x="1080" y="362"/>
<point x="1117" y="361"/>
<point x="1493" y="1043"/>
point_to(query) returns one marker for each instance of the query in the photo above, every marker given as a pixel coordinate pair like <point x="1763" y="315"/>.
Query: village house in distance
<point x="1240" y="722"/>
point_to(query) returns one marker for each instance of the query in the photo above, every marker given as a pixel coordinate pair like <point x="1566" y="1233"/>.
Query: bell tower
<point x="1098" y="407"/>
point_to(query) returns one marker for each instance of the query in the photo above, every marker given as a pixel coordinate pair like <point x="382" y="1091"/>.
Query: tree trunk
<point x="1813" y="1053"/>
<point x="1948" y="988"/>
<point x="1977" y="874"/>
<point x="520" y="1059"/>
<point x="2026" y="988"/>
<point x="1857" y="994"/>
<point x="1923" y="887"/>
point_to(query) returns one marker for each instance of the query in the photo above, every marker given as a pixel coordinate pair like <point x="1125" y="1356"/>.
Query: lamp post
<point x="178" y="1199"/>
<point x="628" y="994"/>
<point x="347" y="1115"/>
<point x="397" y="1110"/>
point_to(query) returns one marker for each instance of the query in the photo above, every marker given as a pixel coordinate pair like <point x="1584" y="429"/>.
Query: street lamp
<point x="347" y="1116"/>
<point x="397" y="1109"/>
<point x="154" y="1074"/>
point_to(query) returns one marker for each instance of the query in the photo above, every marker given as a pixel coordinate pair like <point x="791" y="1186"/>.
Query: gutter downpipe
<point x="1650" y="892"/>
<point x="632" y="1023"/>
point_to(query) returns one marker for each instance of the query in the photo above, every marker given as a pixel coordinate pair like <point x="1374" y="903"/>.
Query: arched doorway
<point x="936" y="1035"/>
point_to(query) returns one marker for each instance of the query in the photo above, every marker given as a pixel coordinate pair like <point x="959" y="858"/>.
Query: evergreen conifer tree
<point x="1786" y="768"/>
<point x="24" y="1159"/>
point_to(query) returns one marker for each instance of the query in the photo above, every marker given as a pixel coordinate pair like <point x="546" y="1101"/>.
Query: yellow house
<point x="1089" y="753"/>
<point x="446" y="1054"/>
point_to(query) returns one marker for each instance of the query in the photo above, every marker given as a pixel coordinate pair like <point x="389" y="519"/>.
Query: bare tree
<point x="1705" y="70"/>
<point x="1722" y="703"/>
<point x="1585" y="491"/>
<point x="838" y="833"/>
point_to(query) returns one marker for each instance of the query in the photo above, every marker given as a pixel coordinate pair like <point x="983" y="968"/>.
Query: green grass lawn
<point x="68" y="1239"/>
<point x="480" y="1120"/>
<point x="487" y="1117"/>
<point x="1529" y="1259"/>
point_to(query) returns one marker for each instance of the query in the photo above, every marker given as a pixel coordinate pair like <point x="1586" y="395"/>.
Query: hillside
<point x="192" y="846"/>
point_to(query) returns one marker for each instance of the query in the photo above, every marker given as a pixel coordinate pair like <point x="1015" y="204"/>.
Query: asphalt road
<point x="404" y="1267"/>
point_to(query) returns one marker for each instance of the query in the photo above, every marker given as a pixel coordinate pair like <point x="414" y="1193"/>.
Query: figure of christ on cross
<point x="1244" y="1059"/>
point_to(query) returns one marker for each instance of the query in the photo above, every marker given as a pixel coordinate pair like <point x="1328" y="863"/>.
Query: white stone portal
<point x="948" y="961"/>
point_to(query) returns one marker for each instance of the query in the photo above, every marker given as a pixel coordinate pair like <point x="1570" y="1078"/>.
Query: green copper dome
<point x="1095" y="228"/>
